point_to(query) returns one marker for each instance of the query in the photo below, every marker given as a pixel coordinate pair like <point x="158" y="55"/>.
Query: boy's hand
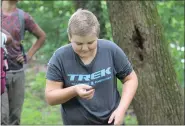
<point x="117" y="116"/>
<point x="84" y="91"/>
<point x="20" y="59"/>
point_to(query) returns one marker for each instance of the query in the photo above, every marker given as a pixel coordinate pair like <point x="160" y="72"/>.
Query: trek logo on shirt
<point x="89" y="77"/>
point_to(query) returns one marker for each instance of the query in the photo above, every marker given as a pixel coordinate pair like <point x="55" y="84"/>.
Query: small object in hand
<point x="93" y="84"/>
<point x="90" y="88"/>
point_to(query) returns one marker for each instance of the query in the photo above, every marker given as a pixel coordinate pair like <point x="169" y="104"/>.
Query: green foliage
<point x="107" y="21"/>
<point x="119" y="85"/>
<point x="172" y="17"/>
<point x="36" y="110"/>
<point x="39" y="82"/>
<point x="52" y="17"/>
<point x="130" y="120"/>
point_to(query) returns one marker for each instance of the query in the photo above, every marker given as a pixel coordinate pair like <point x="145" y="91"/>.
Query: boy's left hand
<point x="117" y="116"/>
<point x="20" y="58"/>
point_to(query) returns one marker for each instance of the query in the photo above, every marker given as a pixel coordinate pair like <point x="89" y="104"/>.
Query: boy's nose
<point x="85" y="48"/>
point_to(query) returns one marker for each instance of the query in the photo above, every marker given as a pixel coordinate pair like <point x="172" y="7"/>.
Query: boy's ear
<point x="69" y="37"/>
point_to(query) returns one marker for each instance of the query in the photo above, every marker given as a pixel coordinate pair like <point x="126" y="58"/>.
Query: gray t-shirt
<point x="109" y="64"/>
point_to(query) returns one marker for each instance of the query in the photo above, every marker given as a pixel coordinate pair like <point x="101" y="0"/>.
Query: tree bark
<point x="136" y="28"/>
<point x="94" y="7"/>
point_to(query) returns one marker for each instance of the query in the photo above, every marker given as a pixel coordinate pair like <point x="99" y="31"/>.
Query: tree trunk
<point x="94" y="7"/>
<point x="136" y="28"/>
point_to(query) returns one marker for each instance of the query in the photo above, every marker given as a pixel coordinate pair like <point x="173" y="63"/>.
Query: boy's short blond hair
<point x="83" y="22"/>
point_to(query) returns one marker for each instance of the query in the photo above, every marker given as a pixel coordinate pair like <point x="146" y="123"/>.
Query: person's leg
<point x="16" y="98"/>
<point x="4" y="108"/>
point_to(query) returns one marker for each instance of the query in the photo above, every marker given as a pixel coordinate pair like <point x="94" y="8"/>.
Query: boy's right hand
<point x="84" y="91"/>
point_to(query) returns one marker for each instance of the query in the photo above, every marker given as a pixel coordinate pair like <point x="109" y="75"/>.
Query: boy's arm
<point x="41" y="36"/>
<point x="55" y="93"/>
<point x="128" y="91"/>
<point x="130" y="84"/>
<point x="9" y="37"/>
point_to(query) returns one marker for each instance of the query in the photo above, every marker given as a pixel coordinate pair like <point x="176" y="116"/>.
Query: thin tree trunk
<point x="137" y="30"/>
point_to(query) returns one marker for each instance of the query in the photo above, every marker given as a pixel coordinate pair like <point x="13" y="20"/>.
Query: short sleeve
<point x="54" y="69"/>
<point x="122" y="65"/>
<point x="30" y="24"/>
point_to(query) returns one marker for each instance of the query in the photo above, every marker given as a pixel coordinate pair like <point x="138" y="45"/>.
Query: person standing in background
<point x="15" y="76"/>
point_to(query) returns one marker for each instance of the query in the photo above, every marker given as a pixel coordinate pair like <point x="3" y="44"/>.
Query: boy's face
<point x="84" y="46"/>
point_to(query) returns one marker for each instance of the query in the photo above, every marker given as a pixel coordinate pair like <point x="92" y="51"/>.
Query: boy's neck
<point x="8" y="6"/>
<point x="90" y="57"/>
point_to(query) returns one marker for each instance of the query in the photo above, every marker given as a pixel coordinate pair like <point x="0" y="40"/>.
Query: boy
<point x="81" y="76"/>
